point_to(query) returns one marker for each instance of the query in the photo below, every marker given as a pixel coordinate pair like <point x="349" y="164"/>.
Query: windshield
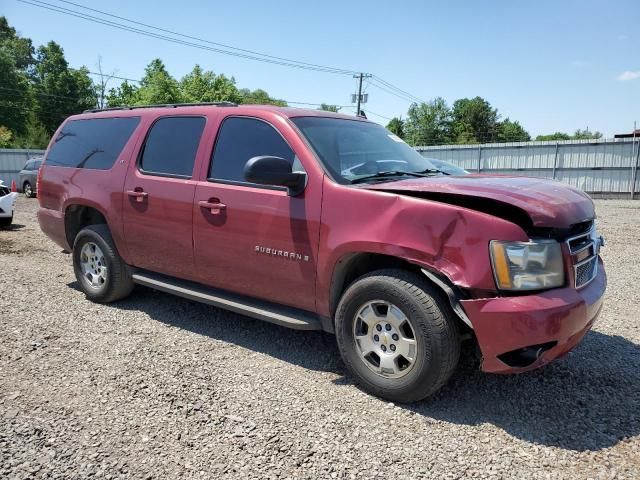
<point x="352" y="150"/>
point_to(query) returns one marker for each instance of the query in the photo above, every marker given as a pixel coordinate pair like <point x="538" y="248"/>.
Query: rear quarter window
<point x="92" y="143"/>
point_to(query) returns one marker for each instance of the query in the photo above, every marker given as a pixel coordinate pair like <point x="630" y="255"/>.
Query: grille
<point x="584" y="254"/>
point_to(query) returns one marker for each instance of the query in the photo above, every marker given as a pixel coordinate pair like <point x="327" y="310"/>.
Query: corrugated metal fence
<point x="12" y="160"/>
<point x="601" y="167"/>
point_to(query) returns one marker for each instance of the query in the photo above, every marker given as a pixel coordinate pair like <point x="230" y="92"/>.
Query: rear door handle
<point x="138" y="195"/>
<point x="215" y="207"/>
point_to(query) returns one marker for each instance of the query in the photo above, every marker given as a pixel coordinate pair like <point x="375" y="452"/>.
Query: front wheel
<point x="396" y="335"/>
<point x="101" y="272"/>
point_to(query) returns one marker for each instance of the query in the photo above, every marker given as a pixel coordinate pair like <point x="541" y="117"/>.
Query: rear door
<point x="158" y="196"/>
<point x="253" y="239"/>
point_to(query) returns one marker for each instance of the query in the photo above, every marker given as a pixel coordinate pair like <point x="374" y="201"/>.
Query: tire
<point x="109" y="284"/>
<point x="6" y="221"/>
<point x="27" y="189"/>
<point x="436" y="343"/>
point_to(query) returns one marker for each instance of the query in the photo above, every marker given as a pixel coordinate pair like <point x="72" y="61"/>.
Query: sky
<point x="553" y="65"/>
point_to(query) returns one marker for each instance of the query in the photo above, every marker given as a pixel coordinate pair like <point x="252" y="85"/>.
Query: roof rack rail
<point x="164" y="105"/>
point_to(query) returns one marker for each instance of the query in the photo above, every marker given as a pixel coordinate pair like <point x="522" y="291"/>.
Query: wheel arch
<point x="78" y="216"/>
<point x="352" y="266"/>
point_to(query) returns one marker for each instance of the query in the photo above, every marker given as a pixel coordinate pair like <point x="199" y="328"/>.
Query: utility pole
<point x="360" y="76"/>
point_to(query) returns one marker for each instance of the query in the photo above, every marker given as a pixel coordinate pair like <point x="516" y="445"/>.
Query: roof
<point x="225" y="107"/>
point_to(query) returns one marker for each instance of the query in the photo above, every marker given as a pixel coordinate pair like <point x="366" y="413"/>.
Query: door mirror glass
<point x="267" y="170"/>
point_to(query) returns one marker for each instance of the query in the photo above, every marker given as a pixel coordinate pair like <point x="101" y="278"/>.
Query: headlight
<point x="532" y="265"/>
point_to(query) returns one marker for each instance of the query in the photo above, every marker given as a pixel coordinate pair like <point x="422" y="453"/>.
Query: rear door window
<point x="171" y="146"/>
<point x="91" y="143"/>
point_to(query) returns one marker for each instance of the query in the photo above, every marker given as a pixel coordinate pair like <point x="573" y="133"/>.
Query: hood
<point x="545" y="203"/>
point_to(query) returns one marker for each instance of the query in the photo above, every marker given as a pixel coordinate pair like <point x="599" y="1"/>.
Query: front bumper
<point x="521" y="333"/>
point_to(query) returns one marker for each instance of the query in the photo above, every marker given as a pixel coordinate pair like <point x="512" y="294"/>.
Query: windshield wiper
<point x="390" y="173"/>
<point x="433" y="170"/>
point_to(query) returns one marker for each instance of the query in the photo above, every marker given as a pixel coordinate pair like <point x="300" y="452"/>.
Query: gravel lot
<point x="159" y="387"/>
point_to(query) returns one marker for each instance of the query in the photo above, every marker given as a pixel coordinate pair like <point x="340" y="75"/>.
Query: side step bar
<point x="262" y="310"/>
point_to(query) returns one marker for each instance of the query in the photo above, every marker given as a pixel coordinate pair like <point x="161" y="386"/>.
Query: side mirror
<point x="274" y="171"/>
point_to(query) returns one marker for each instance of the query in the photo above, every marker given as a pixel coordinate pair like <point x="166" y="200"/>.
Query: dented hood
<point x="548" y="203"/>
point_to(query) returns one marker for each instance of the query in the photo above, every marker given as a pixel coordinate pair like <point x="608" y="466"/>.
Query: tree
<point x="59" y="91"/>
<point x="396" y="126"/>
<point x="329" y="108"/>
<point x="509" y="131"/>
<point x="157" y="86"/>
<point x="5" y="137"/>
<point x="428" y="123"/>
<point x="474" y="120"/>
<point x="125" y="94"/>
<point x="199" y="86"/>
<point x="16" y="100"/>
<point x="19" y="48"/>
<point x="36" y="135"/>
<point x="554" y="136"/>
<point x="586" y="134"/>
<point x="259" y="97"/>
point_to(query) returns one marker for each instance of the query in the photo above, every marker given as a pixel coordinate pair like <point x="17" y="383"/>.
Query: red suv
<point x="320" y="221"/>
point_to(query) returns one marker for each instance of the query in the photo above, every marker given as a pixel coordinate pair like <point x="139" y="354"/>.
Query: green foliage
<point x="474" y="120"/>
<point x="585" y="134"/>
<point x="36" y="135"/>
<point x="554" y="136"/>
<point x="125" y="94"/>
<point x="259" y="97"/>
<point x="469" y="121"/>
<point x="206" y="86"/>
<point x="428" y="123"/>
<point x="396" y="126"/>
<point x="15" y="95"/>
<point x="509" y="131"/>
<point x="329" y="108"/>
<point x="59" y="91"/>
<point x="19" y="48"/>
<point x="158" y="86"/>
<point x="5" y="137"/>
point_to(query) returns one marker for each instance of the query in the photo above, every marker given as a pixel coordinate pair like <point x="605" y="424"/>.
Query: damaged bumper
<point x="521" y="333"/>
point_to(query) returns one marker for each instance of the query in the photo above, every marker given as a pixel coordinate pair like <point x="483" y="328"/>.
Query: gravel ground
<point x="159" y="387"/>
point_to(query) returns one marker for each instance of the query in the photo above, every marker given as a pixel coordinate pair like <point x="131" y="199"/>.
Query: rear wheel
<point x="396" y="335"/>
<point x="27" y="189"/>
<point x="101" y="272"/>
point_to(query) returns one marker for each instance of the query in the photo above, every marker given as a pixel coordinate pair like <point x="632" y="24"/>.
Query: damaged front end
<point x="547" y="289"/>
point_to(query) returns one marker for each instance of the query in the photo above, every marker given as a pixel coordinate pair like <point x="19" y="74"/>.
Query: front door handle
<point x="139" y="195"/>
<point x="214" y="206"/>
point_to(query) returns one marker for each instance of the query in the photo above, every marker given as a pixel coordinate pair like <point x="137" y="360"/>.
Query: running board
<point x="262" y="310"/>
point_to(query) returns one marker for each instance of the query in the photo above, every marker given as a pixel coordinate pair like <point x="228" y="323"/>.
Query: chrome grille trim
<point x="578" y="268"/>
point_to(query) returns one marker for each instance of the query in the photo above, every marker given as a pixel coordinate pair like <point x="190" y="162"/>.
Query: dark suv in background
<point x="28" y="176"/>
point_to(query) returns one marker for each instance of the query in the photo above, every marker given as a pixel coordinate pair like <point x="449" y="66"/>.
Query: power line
<point x="235" y="51"/>
<point x="337" y="70"/>
<point x="390" y="92"/>
<point x="110" y="23"/>
<point x="397" y="89"/>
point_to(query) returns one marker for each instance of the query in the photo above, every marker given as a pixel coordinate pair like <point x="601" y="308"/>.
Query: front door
<point x="252" y="239"/>
<point x="158" y="198"/>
